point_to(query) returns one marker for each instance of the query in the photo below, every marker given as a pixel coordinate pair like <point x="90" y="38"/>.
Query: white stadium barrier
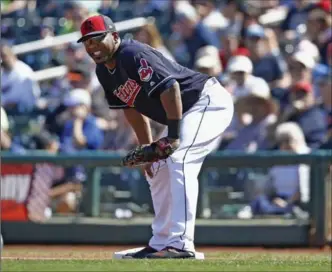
<point x="50" y="42"/>
<point x="73" y="37"/>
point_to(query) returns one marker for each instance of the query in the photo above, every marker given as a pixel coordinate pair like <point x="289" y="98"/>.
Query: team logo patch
<point x="88" y="27"/>
<point x="145" y="71"/>
<point x="127" y="92"/>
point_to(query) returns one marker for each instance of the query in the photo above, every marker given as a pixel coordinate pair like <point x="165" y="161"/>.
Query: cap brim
<point x="71" y="103"/>
<point x="90" y="35"/>
<point x="255" y="34"/>
<point x="238" y="69"/>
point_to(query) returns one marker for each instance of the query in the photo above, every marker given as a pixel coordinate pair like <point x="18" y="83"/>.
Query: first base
<point x="119" y="255"/>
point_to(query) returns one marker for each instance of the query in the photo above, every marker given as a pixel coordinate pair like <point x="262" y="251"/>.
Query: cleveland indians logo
<point x="88" y="27"/>
<point x="145" y="71"/>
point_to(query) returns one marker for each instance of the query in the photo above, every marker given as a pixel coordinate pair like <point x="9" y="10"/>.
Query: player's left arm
<point x="158" y="82"/>
<point x="172" y="103"/>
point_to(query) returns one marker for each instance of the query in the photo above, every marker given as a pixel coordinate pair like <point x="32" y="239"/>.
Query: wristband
<point x="173" y="129"/>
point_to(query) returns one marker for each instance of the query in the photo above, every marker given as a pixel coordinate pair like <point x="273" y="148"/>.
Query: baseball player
<point x="196" y="110"/>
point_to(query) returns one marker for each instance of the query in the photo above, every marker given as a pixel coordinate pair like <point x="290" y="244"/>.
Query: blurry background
<point x="274" y="56"/>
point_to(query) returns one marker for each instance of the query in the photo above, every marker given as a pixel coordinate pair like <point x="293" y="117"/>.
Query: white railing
<point x="274" y="16"/>
<point x="73" y="37"/>
<point x="59" y="71"/>
<point x="50" y="73"/>
<point x="50" y="42"/>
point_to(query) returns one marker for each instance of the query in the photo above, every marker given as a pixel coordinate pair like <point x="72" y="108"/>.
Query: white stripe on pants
<point x="174" y="188"/>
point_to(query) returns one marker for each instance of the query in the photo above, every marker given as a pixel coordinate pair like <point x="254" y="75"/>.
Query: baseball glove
<point x="143" y="154"/>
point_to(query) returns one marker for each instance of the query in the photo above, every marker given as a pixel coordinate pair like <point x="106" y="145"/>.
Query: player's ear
<point x="115" y="37"/>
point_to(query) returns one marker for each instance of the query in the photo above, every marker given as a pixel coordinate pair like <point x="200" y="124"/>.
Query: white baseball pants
<point x="174" y="187"/>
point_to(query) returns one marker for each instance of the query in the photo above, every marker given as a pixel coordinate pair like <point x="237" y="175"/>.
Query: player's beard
<point x="101" y="59"/>
<point x="109" y="58"/>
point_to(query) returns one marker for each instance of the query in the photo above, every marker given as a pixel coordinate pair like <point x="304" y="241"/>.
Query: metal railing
<point x="318" y="162"/>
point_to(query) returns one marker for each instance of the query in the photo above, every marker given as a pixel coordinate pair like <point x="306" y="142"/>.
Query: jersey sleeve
<point x="150" y="71"/>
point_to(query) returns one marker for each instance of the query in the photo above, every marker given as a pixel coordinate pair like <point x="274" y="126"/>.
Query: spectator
<point x="43" y="58"/>
<point x="45" y="141"/>
<point x="232" y="11"/>
<point x="79" y="77"/>
<point x="194" y="34"/>
<point x="301" y="65"/>
<point x="91" y="5"/>
<point x="325" y="87"/>
<point x="5" y="139"/>
<point x="150" y="35"/>
<point x="240" y="69"/>
<point x="256" y="102"/>
<point x="116" y="131"/>
<point x="272" y="42"/>
<point x="19" y="89"/>
<point x="44" y="176"/>
<point x="120" y="136"/>
<point x="73" y="54"/>
<point x="319" y="31"/>
<point x="329" y="55"/>
<point x="320" y="75"/>
<point x="108" y="8"/>
<point x="309" y="48"/>
<point x="303" y="110"/>
<point x="297" y="15"/>
<point x="266" y="65"/>
<point x="13" y="8"/>
<point x="208" y="62"/>
<point x="49" y="8"/>
<point x="74" y="13"/>
<point x="239" y="82"/>
<point x="230" y="46"/>
<point x="63" y="192"/>
<point x="288" y="185"/>
<point x="81" y="131"/>
<point x="210" y="15"/>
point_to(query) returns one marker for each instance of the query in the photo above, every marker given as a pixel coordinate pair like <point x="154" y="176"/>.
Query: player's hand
<point x="144" y="154"/>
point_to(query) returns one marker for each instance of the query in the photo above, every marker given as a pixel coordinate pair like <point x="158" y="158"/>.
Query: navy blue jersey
<point x="141" y="74"/>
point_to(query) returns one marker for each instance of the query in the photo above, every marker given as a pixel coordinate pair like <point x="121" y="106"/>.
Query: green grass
<point x="214" y="262"/>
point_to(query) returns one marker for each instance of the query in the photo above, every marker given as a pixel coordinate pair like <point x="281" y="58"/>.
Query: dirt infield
<point x="67" y="252"/>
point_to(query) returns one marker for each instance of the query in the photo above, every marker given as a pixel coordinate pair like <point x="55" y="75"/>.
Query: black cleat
<point x="172" y="253"/>
<point x="140" y="254"/>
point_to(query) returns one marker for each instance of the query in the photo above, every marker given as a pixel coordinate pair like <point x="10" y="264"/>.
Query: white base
<point x="119" y="255"/>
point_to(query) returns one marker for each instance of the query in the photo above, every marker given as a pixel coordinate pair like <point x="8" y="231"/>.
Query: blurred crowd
<point x="274" y="56"/>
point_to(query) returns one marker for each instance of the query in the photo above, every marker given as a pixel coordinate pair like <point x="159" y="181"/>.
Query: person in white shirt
<point x="5" y="140"/>
<point x="210" y="15"/>
<point x="208" y="62"/>
<point x="288" y="186"/>
<point x="240" y="70"/>
<point x="19" y="89"/>
<point x="254" y="107"/>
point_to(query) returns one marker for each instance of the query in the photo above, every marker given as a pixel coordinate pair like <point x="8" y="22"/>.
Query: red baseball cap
<point x="302" y="86"/>
<point x="96" y="25"/>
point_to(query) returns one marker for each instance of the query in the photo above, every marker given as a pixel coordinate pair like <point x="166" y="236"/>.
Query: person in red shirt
<point x="230" y="43"/>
